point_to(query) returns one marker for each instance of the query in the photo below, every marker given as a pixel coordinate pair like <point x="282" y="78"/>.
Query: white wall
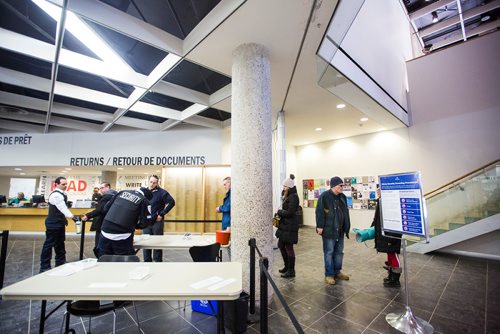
<point x="455" y="106"/>
<point x="58" y="149"/>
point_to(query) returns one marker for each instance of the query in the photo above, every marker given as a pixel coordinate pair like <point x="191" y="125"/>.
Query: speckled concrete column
<point x="251" y="156"/>
<point x="110" y="177"/>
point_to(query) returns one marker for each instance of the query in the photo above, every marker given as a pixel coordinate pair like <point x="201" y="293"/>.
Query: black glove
<point x="347" y="235"/>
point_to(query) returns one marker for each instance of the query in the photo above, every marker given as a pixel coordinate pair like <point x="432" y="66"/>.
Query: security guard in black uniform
<point x="55" y="224"/>
<point x="126" y="211"/>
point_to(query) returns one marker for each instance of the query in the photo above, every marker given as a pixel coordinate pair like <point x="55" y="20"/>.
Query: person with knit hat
<point x="288" y="229"/>
<point x="332" y="223"/>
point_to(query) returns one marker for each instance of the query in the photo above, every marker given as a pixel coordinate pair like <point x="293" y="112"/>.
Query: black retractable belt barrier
<point x="3" y="255"/>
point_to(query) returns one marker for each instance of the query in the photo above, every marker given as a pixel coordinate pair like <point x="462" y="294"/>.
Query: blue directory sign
<point x="403" y="208"/>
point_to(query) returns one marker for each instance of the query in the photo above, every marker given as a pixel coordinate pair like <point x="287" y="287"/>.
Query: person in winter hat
<point x="288" y="230"/>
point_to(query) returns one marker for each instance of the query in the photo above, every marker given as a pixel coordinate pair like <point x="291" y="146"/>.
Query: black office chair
<point x="92" y="308"/>
<point x="208" y="253"/>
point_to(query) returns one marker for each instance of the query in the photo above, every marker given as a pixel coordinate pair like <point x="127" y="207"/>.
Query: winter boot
<point x="394" y="280"/>
<point x="389" y="276"/>
<point x="285" y="261"/>
<point x="386" y="265"/>
<point x="291" y="268"/>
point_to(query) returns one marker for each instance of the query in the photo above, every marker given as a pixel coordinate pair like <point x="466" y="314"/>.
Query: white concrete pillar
<point x="251" y="156"/>
<point x="110" y="177"/>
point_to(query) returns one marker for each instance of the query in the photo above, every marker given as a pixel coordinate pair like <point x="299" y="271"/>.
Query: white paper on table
<point x="221" y="284"/>
<point x="206" y="282"/>
<point x="73" y="267"/>
<point x="138" y="273"/>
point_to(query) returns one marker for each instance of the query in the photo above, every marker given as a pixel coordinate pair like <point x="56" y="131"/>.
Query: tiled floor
<point x="455" y="294"/>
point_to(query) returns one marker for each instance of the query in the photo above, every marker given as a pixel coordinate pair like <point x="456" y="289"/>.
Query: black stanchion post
<point x="263" y="265"/>
<point x="3" y="255"/>
<point x="252" y="244"/>
<point x="82" y="240"/>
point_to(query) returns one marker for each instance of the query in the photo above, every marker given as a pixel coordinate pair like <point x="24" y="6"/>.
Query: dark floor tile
<point x="453" y="325"/>
<point x="369" y="301"/>
<point x="355" y="313"/>
<point x="148" y="310"/>
<point x="170" y="322"/>
<point x="279" y="324"/>
<point x="464" y="312"/>
<point x="304" y="313"/>
<point x="331" y="324"/>
<point x="322" y="301"/>
<point x="276" y="304"/>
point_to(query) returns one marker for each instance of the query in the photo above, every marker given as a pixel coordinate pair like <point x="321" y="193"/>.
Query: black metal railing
<point x="264" y="278"/>
<point x="3" y="255"/>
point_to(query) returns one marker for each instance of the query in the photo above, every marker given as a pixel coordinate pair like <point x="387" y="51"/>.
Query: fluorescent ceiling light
<point x="68" y="168"/>
<point x="340" y="106"/>
<point x="85" y="34"/>
<point x="22" y="173"/>
<point x="120" y="168"/>
<point x="318" y="129"/>
<point x="364" y="119"/>
<point x="18" y="169"/>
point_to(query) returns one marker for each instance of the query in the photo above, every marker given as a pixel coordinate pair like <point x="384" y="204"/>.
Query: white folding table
<point x="146" y="241"/>
<point x="110" y="281"/>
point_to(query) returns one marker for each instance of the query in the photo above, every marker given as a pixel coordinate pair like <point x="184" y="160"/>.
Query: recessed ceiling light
<point x="22" y="173"/>
<point x="64" y="171"/>
<point x="68" y="168"/>
<point x="318" y="129"/>
<point x="18" y="169"/>
<point x="120" y="168"/>
<point x="485" y="18"/>
<point x="364" y="119"/>
<point x="340" y="106"/>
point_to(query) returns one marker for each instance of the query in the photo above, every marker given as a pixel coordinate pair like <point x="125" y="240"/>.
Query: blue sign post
<point x="403" y="207"/>
<point x="402" y="210"/>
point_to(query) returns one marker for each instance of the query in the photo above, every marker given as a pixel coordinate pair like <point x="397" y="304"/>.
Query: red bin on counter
<point x="222" y="237"/>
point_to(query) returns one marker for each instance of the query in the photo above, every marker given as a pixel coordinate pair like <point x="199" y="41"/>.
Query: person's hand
<point x="159" y="218"/>
<point x="347" y="235"/>
<point x="319" y="230"/>
<point x="84" y="218"/>
<point x="217" y="210"/>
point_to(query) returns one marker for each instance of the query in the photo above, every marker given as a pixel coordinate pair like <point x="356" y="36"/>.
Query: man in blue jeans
<point x="332" y="222"/>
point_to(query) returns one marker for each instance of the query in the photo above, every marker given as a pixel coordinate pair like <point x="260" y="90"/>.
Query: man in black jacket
<point x="161" y="203"/>
<point x="98" y="214"/>
<point x="332" y="223"/>
<point x="126" y="211"/>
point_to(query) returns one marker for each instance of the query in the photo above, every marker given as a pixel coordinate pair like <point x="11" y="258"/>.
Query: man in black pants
<point x="161" y="203"/>
<point x="126" y="211"/>
<point x="55" y="224"/>
<point x="99" y="213"/>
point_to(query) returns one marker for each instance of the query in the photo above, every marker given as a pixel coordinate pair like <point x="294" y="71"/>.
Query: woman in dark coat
<point x="391" y="246"/>
<point x="288" y="230"/>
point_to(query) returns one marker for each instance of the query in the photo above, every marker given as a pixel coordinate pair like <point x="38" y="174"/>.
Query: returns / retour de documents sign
<point x="403" y="206"/>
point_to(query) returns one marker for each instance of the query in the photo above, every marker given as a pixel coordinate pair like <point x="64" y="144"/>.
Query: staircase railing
<point x="470" y="198"/>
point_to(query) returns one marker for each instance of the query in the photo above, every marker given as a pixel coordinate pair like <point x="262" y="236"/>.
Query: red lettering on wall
<point x="82" y="185"/>
<point x="71" y="185"/>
